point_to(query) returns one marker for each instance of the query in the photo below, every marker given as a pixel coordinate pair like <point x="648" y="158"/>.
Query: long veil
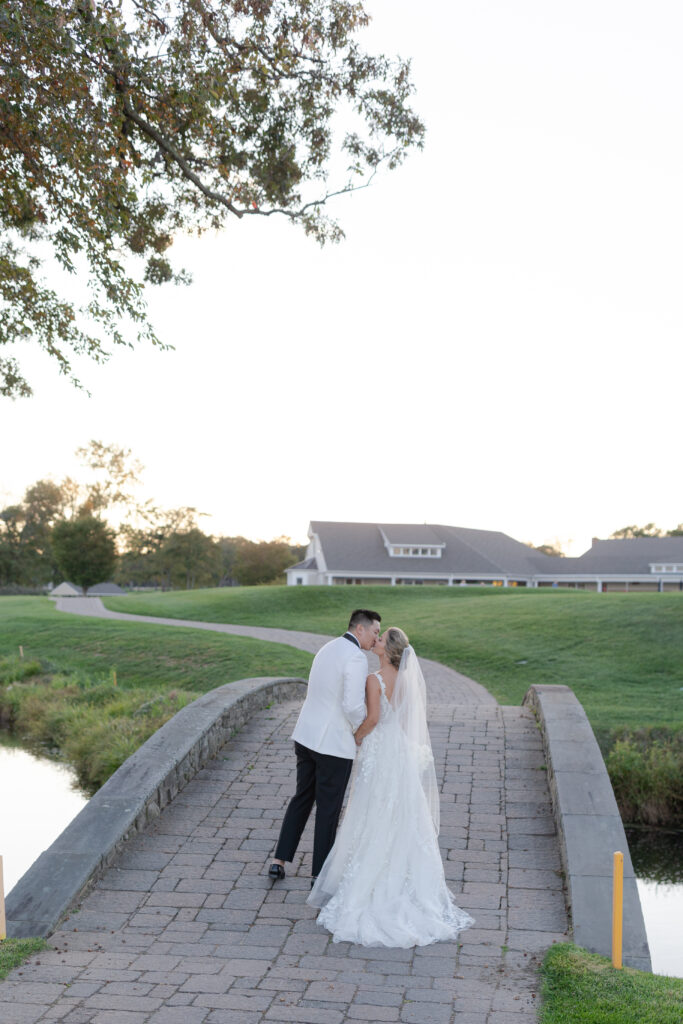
<point x="409" y="701"/>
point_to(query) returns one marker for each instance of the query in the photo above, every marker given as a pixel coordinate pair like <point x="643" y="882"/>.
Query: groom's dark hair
<point x="363" y="617"/>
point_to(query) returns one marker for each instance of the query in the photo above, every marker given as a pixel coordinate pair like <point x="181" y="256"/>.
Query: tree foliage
<point x="648" y="530"/>
<point x="26" y="554"/>
<point x="188" y="559"/>
<point x="629" y="532"/>
<point x="262" y="561"/>
<point x="123" y="122"/>
<point x="550" y="549"/>
<point x="157" y="547"/>
<point x="85" y="550"/>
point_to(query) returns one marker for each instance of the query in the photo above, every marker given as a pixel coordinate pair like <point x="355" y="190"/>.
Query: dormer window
<point x="667" y="567"/>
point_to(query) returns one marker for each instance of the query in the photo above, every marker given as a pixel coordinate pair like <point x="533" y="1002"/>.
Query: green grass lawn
<point x="142" y="655"/>
<point x="582" y="988"/>
<point x="62" y="696"/>
<point x="622" y="654"/>
<point x="14" y="952"/>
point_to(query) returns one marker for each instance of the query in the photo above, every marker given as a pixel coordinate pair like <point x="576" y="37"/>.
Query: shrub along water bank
<point x="62" y="697"/>
<point x="84" y="720"/>
<point x="646" y="769"/>
<point x="622" y="655"/>
<point x="583" y="988"/>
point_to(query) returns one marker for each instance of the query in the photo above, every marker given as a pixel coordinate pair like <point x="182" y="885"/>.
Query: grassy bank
<point x="13" y="953"/>
<point x="582" y="988"/>
<point x="62" y="698"/>
<point x="622" y="654"/>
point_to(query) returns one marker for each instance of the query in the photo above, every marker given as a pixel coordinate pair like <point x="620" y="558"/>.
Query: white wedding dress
<point x="383" y="883"/>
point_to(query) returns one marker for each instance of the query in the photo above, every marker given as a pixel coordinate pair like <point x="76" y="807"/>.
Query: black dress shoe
<point x="276" y="872"/>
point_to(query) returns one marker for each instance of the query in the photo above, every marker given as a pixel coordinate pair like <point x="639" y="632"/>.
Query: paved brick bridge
<point x="185" y="928"/>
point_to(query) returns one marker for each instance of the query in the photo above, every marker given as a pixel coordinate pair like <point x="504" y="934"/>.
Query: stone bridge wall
<point x="134" y="796"/>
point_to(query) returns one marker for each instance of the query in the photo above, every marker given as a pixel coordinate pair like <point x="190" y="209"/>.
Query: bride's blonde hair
<point x="395" y="644"/>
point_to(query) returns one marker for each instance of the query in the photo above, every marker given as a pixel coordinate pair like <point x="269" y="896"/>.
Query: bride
<point x="383" y="882"/>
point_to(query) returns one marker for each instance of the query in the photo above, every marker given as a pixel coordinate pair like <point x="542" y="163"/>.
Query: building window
<point x="406" y="552"/>
<point x="299" y="581"/>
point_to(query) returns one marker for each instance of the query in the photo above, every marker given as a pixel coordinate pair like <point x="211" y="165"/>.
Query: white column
<point x="598" y="586"/>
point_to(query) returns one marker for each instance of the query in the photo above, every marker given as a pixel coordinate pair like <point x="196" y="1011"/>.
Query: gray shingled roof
<point x="359" y="547"/>
<point x="354" y="549"/>
<point x="106" y="588"/>
<point x="402" y="533"/>
<point x="634" y="555"/>
<point x="308" y="563"/>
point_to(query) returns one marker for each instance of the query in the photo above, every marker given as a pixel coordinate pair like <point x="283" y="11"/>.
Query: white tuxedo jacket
<point x="335" y="702"/>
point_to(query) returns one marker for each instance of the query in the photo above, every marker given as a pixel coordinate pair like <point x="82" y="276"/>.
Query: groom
<point x="323" y="739"/>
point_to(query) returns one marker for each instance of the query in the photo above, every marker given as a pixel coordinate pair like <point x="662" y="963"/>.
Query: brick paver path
<point x="186" y="929"/>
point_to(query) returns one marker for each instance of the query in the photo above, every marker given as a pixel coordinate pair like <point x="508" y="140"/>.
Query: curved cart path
<point x="443" y="683"/>
<point x="185" y="927"/>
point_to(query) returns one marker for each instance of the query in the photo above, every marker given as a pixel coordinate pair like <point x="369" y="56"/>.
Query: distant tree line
<point x="625" y="533"/>
<point x="649" y="530"/>
<point x="59" y="531"/>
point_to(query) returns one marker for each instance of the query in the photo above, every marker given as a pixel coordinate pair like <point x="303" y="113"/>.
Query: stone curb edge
<point x="589" y="826"/>
<point x="133" y="796"/>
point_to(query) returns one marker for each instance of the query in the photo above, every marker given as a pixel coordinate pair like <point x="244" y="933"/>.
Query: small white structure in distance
<point x="105" y="588"/>
<point x="66" y="589"/>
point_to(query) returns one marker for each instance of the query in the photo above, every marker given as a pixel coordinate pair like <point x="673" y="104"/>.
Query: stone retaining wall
<point x="134" y="796"/>
<point x="589" y="826"/>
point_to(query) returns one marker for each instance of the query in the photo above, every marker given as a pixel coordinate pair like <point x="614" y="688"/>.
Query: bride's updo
<point x="395" y="644"/>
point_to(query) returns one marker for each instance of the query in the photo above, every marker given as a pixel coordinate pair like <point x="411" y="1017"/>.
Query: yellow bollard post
<point x="114" y="677"/>
<point x="617" y="908"/>
<point x="3" y="928"/>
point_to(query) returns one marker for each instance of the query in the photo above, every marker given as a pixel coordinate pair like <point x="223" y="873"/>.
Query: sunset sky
<point x="497" y="343"/>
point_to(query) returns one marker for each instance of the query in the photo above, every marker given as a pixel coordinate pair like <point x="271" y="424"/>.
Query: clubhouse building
<point x="419" y="554"/>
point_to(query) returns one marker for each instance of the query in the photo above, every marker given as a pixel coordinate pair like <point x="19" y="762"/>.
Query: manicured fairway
<point x="622" y="654"/>
<point x="142" y="655"/>
<point x="63" y="695"/>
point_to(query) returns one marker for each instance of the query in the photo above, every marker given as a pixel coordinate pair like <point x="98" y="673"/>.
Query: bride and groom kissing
<point x="379" y="880"/>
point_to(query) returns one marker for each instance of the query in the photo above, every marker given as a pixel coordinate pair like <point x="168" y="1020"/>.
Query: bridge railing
<point x="133" y="797"/>
<point x="589" y="826"/>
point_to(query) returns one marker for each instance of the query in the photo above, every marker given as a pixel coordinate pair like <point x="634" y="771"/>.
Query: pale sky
<point x="497" y="343"/>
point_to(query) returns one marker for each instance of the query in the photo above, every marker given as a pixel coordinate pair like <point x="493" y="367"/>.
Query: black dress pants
<point x="320" y="779"/>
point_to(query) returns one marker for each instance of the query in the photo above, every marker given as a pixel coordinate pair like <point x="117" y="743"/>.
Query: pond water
<point x="39" y="797"/>
<point x="658" y="861"/>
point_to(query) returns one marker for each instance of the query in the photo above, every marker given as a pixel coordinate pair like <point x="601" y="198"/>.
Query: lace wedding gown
<point x="382" y="883"/>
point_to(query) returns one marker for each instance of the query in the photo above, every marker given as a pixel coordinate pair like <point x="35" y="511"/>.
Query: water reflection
<point x="658" y="863"/>
<point x="38" y="799"/>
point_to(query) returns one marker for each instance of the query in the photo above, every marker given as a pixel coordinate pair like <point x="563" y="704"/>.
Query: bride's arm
<point x="372" y="693"/>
